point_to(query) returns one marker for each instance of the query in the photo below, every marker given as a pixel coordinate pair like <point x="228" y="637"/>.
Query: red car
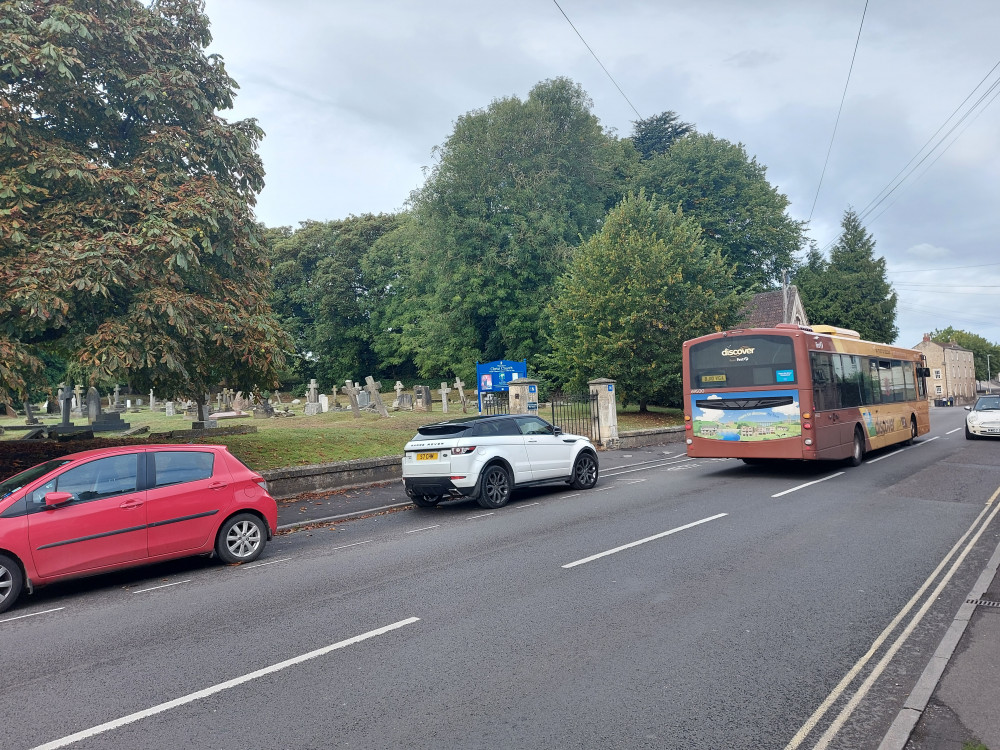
<point x="113" y="508"/>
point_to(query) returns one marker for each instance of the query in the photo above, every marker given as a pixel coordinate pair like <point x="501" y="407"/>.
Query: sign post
<point x="497" y="376"/>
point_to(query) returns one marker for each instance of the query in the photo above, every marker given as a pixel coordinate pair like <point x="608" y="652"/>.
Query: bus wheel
<point x="913" y="431"/>
<point x="858" y="451"/>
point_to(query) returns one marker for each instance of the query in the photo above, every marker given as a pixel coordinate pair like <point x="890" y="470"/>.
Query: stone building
<point x="767" y="309"/>
<point x="953" y="372"/>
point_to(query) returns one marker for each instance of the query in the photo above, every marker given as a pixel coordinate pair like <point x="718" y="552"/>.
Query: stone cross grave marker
<point x="460" y="387"/>
<point x="351" y="391"/>
<point x="444" y="390"/>
<point x="374" y="389"/>
<point x="313" y="406"/>
<point x="117" y="406"/>
<point x="30" y="418"/>
<point x="399" y="390"/>
<point x="78" y="408"/>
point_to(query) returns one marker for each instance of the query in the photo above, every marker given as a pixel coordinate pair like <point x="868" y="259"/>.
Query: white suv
<point x="487" y="457"/>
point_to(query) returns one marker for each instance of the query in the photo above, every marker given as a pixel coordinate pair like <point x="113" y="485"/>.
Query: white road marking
<point x="425" y="528"/>
<point x="164" y="586"/>
<point x="602" y="489"/>
<point x="269" y="562"/>
<point x="353" y="544"/>
<point x="643" y="541"/>
<point x="192" y="697"/>
<point x="33" y="614"/>
<point x="644" y="468"/>
<point x="576" y="494"/>
<point x="841" y="687"/>
<point x="518" y="507"/>
<point x="481" y="515"/>
<point x="807" y="484"/>
<point x="635" y="481"/>
<point x="887" y="455"/>
<point x="925" y="442"/>
<point x="951" y="431"/>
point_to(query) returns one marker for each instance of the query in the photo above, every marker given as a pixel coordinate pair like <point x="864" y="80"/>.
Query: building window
<point x="937" y="376"/>
<point x="937" y="390"/>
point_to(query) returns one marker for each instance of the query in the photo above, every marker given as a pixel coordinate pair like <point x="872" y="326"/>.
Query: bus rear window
<point x="742" y="361"/>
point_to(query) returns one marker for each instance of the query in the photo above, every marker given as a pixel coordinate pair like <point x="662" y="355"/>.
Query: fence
<point x="576" y="413"/>
<point x="496" y="402"/>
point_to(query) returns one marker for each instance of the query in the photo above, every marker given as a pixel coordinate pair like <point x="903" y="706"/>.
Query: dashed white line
<point x="643" y="468"/>
<point x="643" y="541"/>
<point x="518" y="507"/>
<point x="353" y="544"/>
<point x="481" y="515"/>
<point x="425" y="528"/>
<point x="807" y="484"/>
<point x="192" y="697"/>
<point x="925" y="442"/>
<point x="951" y="431"/>
<point x="269" y="562"/>
<point x="635" y="481"/>
<point x="32" y="614"/>
<point x="163" y="586"/>
<point x="575" y="494"/>
<point x="887" y="455"/>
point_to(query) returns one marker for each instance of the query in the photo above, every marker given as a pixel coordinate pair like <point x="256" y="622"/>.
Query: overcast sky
<point x="354" y="95"/>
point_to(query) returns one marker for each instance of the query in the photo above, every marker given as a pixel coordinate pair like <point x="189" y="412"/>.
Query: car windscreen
<point x="16" y="482"/>
<point x="988" y="404"/>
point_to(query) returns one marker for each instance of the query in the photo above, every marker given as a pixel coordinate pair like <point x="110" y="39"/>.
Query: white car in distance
<point x="983" y="418"/>
<point x="487" y="457"/>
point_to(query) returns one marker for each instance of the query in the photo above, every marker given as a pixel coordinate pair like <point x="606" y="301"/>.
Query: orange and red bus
<point x="800" y="392"/>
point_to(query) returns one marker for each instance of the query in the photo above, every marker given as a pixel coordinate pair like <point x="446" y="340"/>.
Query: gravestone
<point x="30" y="418"/>
<point x="444" y="390"/>
<point x="78" y="409"/>
<point x="364" y="399"/>
<point x="351" y="391"/>
<point x="152" y="400"/>
<point x="263" y="410"/>
<point x="460" y="387"/>
<point x="170" y="409"/>
<point x="93" y="405"/>
<point x="117" y="405"/>
<point x="399" y="389"/>
<point x="324" y="403"/>
<point x="422" y="396"/>
<point x="406" y="401"/>
<point x="66" y="427"/>
<point x="239" y="404"/>
<point x="110" y="421"/>
<point x="375" y="389"/>
<point x="312" y="399"/>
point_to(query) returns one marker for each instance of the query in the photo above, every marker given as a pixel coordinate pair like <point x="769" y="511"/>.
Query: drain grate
<point x="983" y="603"/>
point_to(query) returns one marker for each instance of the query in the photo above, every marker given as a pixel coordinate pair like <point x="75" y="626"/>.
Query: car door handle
<point x="218" y="485"/>
<point x="131" y="504"/>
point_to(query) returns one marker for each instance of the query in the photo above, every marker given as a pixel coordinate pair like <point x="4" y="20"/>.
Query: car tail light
<point x="262" y="484"/>
<point x="462" y="450"/>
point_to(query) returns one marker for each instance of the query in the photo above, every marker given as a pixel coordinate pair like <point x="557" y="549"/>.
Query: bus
<point x="800" y="392"/>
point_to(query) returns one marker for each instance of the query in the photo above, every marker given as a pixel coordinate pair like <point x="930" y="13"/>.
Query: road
<point x="679" y="604"/>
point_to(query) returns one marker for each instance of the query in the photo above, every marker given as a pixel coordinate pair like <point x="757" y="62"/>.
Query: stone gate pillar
<point x="523" y="396"/>
<point x="607" y="408"/>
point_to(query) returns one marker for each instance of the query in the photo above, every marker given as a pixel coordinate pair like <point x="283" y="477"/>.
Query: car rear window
<point x="176" y="467"/>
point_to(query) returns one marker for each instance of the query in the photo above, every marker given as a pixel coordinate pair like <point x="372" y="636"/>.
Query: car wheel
<point x="11" y="582"/>
<point x="584" y="472"/>
<point x="241" y="539"/>
<point x="858" y="450"/>
<point x="969" y="435"/>
<point x="494" y="490"/>
<point x="426" y="501"/>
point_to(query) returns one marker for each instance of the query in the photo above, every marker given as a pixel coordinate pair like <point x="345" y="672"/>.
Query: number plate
<point x="427" y="456"/>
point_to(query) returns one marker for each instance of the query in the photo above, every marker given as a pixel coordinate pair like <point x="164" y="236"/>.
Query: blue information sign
<point x="496" y="376"/>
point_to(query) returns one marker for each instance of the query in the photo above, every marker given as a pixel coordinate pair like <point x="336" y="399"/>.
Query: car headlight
<point x="973" y="418"/>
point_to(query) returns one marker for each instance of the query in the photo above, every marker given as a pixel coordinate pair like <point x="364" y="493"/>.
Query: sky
<point x="354" y="96"/>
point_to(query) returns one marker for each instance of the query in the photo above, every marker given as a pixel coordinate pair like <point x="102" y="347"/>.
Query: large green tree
<point x="636" y="290"/>
<point x="980" y="347"/>
<point x="742" y="214"/>
<point x="655" y="135"/>
<point x="127" y="239"/>
<point x="851" y="289"/>
<point x="322" y="296"/>
<point x="515" y="187"/>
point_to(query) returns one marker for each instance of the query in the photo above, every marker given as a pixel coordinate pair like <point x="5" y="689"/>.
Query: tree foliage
<point x="979" y="346"/>
<point x="850" y="290"/>
<point x="322" y="297"/>
<point x="655" y="135"/>
<point x="516" y="186"/>
<point x="727" y="192"/>
<point x="636" y="290"/>
<point x="127" y="240"/>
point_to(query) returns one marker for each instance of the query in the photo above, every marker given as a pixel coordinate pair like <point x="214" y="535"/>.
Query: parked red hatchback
<point x="112" y="508"/>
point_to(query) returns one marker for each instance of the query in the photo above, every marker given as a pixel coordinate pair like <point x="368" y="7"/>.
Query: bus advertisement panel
<point x="800" y="392"/>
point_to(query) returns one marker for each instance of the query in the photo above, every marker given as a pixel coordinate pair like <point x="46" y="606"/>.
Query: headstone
<point x="422" y="397"/>
<point x="67" y="427"/>
<point x="399" y="388"/>
<point x="364" y="399"/>
<point x="374" y="389"/>
<point x="170" y="409"/>
<point x="30" y="418"/>
<point x="152" y="400"/>
<point x="351" y="391"/>
<point x="324" y="403"/>
<point x="93" y="405"/>
<point x="312" y="399"/>
<point x="406" y="401"/>
<point x="460" y="387"/>
<point x="444" y="390"/>
<point x="263" y="410"/>
<point x="239" y="403"/>
<point x="117" y="405"/>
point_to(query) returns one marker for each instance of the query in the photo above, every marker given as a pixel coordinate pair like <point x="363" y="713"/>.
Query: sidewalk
<point x="956" y="703"/>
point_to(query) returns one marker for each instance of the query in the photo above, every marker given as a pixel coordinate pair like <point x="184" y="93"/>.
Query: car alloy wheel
<point x="584" y="472"/>
<point x="241" y="539"/>
<point x="11" y="582"/>
<point x="495" y="490"/>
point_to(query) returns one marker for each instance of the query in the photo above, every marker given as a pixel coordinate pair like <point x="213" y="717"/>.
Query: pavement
<point x="955" y="704"/>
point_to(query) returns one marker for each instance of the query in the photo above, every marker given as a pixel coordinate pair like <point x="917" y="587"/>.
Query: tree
<point x="516" y="186"/>
<point x="979" y="346"/>
<point x="127" y="241"/>
<point x="742" y="214"/>
<point x="851" y="289"/>
<point x="655" y="135"/>
<point x="321" y="295"/>
<point x="635" y="291"/>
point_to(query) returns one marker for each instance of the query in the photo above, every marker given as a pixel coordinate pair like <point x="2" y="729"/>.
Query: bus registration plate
<point x="427" y="456"/>
<point x="713" y="378"/>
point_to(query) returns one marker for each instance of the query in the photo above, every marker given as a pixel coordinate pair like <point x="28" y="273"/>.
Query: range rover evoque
<point x="487" y="457"/>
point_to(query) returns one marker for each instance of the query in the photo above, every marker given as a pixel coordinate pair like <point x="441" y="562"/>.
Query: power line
<point x="839" y="111"/>
<point x="598" y="60"/>
<point x="946" y="268"/>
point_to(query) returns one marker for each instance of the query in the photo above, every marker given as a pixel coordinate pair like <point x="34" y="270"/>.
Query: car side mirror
<point x="968" y="408"/>
<point x="556" y="431"/>
<point x="55" y="499"/>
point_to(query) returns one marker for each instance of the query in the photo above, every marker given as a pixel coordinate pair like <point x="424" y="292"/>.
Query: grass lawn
<point x="334" y="436"/>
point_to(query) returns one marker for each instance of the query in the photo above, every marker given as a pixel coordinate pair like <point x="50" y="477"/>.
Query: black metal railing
<point x="496" y="402"/>
<point x="576" y="413"/>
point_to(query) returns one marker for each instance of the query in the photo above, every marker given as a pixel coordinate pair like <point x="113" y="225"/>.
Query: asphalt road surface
<point x="682" y="603"/>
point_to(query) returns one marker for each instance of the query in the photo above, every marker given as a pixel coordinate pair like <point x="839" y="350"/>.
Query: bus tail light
<point x="807" y="425"/>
